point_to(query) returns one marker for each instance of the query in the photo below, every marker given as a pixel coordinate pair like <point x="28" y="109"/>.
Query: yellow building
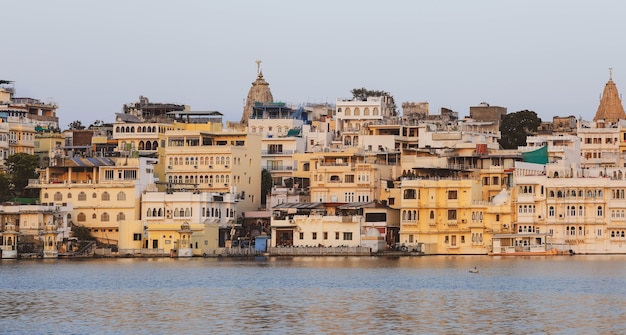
<point x="105" y="192"/>
<point x="47" y="146"/>
<point x="226" y="161"/>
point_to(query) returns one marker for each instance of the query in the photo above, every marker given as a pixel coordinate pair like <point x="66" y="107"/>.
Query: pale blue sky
<point x="92" y="57"/>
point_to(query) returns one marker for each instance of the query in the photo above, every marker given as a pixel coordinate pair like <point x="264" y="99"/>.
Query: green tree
<point x="363" y="93"/>
<point x="266" y="184"/>
<point x="22" y="167"/>
<point x="96" y="124"/>
<point x="5" y="187"/>
<point x="76" y="125"/>
<point x="515" y="127"/>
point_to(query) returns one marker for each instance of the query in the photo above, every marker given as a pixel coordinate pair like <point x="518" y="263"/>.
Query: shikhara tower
<point x="610" y="109"/>
<point x="259" y="92"/>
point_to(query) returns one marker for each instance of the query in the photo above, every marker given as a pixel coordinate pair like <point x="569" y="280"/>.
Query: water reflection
<point x="581" y="294"/>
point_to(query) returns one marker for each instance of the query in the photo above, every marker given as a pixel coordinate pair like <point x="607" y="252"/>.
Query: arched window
<point x="432" y="215"/>
<point x="81" y="217"/>
<point x="551" y="211"/>
<point x="58" y="196"/>
<point x="600" y="211"/>
<point x="121" y="196"/>
<point x="121" y="216"/>
<point x="82" y="196"/>
<point x="106" y="196"/>
<point x="104" y="217"/>
<point x="94" y="195"/>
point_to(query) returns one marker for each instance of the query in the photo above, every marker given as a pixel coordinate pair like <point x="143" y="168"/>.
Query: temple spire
<point x="610" y="109"/>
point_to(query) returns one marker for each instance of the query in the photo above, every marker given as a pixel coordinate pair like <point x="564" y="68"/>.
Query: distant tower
<point x="9" y="239"/>
<point x="259" y="92"/>
<point x="50" y="240"/>
<point x="610" y="109"/>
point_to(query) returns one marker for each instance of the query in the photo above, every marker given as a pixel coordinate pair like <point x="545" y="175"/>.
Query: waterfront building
<point x="210" y="219"/>
<point x="208" y="158"/>
<point x="331" y="225"/>
<point x="37" y="227"/>
<point x="105" y="192"/>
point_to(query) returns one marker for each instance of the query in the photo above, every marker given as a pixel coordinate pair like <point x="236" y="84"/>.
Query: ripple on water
<point x="338" y="295"/>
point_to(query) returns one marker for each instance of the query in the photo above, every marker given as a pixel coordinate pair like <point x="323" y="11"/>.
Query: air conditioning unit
<point x="505" y="226"/>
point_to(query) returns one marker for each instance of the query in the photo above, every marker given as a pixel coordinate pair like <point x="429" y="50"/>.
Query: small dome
<point x="502" y="197"/>
<point x="372" y="232"/>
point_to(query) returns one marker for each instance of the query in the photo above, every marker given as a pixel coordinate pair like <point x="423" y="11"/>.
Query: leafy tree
<point x="5" y="187"/>
<point x="96" y="124"/>
<point x="515" y="127"/>
<point x="22" y="167"/>
<point x="266" y="184"/>
<point x="76" y="125"/>
<point x="363" y="93"/>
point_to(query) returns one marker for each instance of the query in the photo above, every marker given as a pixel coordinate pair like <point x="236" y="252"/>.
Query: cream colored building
<point x="105" y="192"/>
<point x="210" y="217"/>
<point x="219" y="160"/>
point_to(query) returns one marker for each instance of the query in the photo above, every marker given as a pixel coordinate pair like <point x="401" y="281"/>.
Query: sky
<point x="92" y="57"/>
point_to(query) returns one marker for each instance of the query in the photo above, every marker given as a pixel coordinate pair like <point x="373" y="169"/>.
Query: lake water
<point x="304" y="295"/>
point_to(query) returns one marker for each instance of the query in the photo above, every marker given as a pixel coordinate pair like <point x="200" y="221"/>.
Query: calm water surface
<point x="332" y="295"/>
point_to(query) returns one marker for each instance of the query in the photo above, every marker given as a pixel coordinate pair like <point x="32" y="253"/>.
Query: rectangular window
<point x="325" y="235"/>
<point x="108" y="175"/>
<point x="462" y="239"/>
<point x="452" y="214"/>
<point x="314" y="236"/>
<point x="347" y="236"/>
<point x="411" y="238"/>
<point x="446" y="239"/>
<point x="302" y="236"/>
<point x="452" y="195"/>
<point x="495" y="181"/>
<point x="349" y="178"/>
<point x="336" y="235"/>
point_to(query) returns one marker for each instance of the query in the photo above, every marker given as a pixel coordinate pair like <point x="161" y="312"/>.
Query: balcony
<point x="279" y="168"/>
<point x="277" y="152"/>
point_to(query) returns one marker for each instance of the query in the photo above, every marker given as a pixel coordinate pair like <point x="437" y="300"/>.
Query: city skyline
<point x="91" y="58"/>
